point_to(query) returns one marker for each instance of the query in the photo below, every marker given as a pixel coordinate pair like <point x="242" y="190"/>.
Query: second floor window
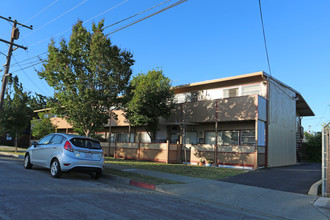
<point x="228" y="93"/>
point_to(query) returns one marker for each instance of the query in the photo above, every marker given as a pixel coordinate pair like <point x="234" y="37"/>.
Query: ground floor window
<point x="244" y="137"/>
<point x="122" y="137"/>
<point x="191" y="137"/>
<point x="248" y="137"/>
<point x="144" y="137"/>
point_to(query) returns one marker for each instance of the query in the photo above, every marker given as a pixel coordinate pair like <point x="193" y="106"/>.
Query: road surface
<point x="34" y="194"/>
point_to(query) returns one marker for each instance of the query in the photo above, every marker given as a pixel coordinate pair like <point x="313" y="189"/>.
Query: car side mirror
<point x="34" y="143"/>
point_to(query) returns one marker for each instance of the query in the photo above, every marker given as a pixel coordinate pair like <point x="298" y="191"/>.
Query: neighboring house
<point x="251" y="120"/>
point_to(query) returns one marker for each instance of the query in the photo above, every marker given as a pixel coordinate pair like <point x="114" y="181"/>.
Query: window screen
<point x="251" y="89"/>
<point x="248" y="137"/>
<point x="228" y="93"/>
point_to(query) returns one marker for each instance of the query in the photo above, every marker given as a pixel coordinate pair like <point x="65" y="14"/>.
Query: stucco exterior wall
<point x="281" y="126"/>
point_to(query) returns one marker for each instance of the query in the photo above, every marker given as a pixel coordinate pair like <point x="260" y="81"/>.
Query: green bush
<point x="313" y="147"/>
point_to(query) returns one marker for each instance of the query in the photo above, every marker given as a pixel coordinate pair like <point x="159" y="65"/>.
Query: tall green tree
<point x="89" y="76"/>
<point x="151" y="98"/>
<point x="42" y="126"/>
<point x="17" y="112"/>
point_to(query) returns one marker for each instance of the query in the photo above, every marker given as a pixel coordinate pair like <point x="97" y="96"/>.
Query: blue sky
<point x="195" y="41"/>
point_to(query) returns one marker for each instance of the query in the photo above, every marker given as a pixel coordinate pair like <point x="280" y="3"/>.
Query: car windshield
<point x="86" y="143"/>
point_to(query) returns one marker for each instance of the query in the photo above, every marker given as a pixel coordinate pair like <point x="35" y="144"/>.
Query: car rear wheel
<point x="96" y="174"/>
<point x="55" y="169"/>
<point x="27" y="162"/>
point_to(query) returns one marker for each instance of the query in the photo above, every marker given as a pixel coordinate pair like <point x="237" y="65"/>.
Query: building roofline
<point x="307" y="111"/>
<point x="260" y="73"/>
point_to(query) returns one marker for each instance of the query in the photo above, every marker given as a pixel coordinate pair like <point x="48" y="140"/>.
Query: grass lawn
<point x="11" y="151"/>
<point x="213" y="173"/>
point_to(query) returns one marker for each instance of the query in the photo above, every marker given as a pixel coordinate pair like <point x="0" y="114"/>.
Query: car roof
<point x="70" y="136"/>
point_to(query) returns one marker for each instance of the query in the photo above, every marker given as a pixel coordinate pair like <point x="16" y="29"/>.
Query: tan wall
<point x="60" y="123"/>
<point x="121" y="120"/>
<point x="281" y="126"/>
<point x="226" y="155"/>
<point x="151" y="151"/>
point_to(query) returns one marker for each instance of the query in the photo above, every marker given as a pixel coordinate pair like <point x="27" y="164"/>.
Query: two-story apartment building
<point x="251" y="120"/>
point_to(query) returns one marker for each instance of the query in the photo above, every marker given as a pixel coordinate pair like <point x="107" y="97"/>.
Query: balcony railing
<point x="226" y="109"/>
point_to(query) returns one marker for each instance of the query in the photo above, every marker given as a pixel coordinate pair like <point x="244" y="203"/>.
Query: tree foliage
<point x="89" y="76"/>
<point x="16" y="112"/>
<point x="151" y="98"/>
<point x="313" y="147"/>
<point x="42" y="126"/>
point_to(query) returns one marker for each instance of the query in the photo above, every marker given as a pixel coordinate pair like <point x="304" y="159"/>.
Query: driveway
<point x="295" y="178"/>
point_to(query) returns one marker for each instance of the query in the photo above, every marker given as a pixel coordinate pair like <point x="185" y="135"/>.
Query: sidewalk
<point x="269" y="202"/>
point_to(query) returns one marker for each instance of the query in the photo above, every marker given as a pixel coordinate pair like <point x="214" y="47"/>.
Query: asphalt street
<point x="34" y="194"/>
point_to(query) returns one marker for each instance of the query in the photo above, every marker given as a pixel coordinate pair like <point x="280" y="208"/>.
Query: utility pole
<point x="14" y="36"/>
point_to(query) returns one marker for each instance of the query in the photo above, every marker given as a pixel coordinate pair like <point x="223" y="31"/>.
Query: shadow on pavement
<point x="295" y="178"/>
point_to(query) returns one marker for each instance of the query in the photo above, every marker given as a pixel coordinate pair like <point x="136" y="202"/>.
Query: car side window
<point x="46" y="140"/>
<point x="57" y="139"/>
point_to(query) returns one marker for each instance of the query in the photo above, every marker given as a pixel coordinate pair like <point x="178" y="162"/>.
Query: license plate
<point x="88" y="155"/>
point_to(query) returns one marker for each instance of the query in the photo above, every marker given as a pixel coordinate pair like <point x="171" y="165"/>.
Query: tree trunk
<point x="16" y="142"/>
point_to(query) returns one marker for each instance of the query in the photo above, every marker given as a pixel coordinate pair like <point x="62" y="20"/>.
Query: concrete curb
<point x="315" y="188"/>
<point x="12" y="155"/>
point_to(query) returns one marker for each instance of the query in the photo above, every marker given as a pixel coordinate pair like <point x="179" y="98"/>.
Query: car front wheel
<point x="27" y="162"/>
<point x="55" y="169"/>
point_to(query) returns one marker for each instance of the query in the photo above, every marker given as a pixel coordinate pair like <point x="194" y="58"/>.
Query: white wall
<point x="212" y="94"/>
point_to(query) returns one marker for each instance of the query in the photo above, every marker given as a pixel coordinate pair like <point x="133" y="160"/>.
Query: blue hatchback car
<point x="66" y="152"/>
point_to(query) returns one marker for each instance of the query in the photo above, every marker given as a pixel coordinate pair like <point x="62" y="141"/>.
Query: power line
<point x="29" y="59"/>
<point x="42" y="26"/>
<point x="263" y="31"/>
<point x="38" y="42"/>
<point x="40" y="12"/>
<point x="22" y="69"/>
<point x="136" y="14"/>
<point x="164" y="9"/>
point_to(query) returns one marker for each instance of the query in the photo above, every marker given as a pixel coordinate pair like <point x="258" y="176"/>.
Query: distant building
<point x="251" y="120"/>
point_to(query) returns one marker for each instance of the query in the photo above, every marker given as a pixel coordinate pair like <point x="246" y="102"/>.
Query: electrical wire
<point x="29" y="59"/>
<point x="162" y="10"/>
<point x="37" y="14"/>
<point x="263" y="31"/>
<point x="38" y="42"/>
<point x="136" y="14"/>
<point x="42" y="26"/>
<point x="22" y="69"/>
